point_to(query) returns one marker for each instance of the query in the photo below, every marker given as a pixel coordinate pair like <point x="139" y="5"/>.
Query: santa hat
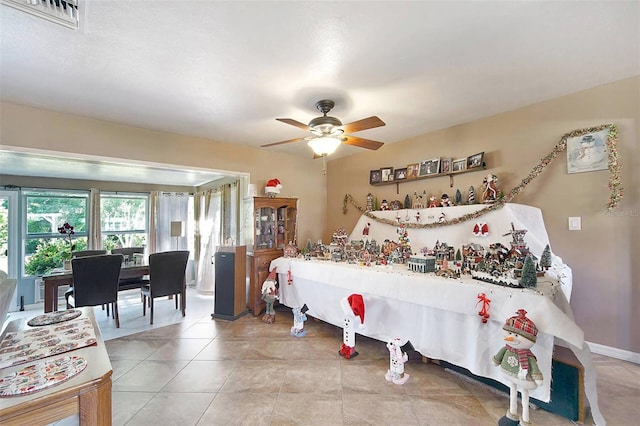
<point x="274" y="183"/>
<point x="357" y="306"/>
<point x="522" y="326"/>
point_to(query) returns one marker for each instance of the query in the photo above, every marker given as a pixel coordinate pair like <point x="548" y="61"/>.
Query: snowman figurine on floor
<point x="397" y="358"/>
<point x="299" y="317"/>
<point x="353" y="307"/>
<point x="519" y="366"/>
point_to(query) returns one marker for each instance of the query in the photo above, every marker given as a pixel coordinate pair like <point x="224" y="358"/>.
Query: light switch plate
<point x="575" y="223"/>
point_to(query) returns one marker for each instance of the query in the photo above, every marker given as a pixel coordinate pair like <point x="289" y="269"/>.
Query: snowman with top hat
<point x="519" y="366"/>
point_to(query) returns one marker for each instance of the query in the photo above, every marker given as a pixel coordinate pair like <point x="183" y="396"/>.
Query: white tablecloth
<point x="438" y="315"/>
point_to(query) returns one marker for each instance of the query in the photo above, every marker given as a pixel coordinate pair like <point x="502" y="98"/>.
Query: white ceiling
<point x="225" y="70"/>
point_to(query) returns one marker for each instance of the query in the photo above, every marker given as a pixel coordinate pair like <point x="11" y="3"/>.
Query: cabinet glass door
<point x="290" y="227"/>
<point x="266" y="228"/>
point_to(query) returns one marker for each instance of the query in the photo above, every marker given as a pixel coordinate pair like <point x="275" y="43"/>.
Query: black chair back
<point x="167" y="272"/>
<point x="85" y="253"/>
<point x="95" y="279"/>
<point x="128" y="251"/>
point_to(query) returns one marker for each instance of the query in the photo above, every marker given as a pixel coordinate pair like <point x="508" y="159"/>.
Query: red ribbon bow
<point x="484" y="311"/>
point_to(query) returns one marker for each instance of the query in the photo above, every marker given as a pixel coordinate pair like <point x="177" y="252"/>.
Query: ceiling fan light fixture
<point x="324" y="145"/>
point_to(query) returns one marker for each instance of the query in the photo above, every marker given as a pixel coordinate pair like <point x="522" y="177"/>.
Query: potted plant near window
<point x="67" y="231"/>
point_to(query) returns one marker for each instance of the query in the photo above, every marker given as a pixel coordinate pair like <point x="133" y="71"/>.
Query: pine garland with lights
<point x="616" y="190"/>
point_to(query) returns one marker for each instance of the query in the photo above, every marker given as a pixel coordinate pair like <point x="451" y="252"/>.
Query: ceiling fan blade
<point x="362" y="143"/>
<point x="364" y="124"/>
<point x="282" y="142"/>
<point x="294" y="123"/>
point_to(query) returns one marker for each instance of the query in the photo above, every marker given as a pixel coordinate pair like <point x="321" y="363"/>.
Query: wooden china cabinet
<point x="273" y="224"/>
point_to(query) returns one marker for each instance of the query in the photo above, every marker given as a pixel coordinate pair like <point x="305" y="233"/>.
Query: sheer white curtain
<point x="210" y="230"/>
<point x="94" y="242"/>
<point x="173" y="207"/>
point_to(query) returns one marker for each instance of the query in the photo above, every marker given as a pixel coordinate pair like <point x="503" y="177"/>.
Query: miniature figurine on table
<point x="433" y="202"/>
<point x="518" y="365"/>
<point x="445" y="201"/>
<point x="353" y="307"/>
<point x="270" y="295"/>
<point x="299" y="317"/>
<point x="490" y="188"/>
<point x="397" y="358"/>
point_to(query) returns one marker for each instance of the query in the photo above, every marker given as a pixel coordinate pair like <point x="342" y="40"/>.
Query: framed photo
<point x="475" y="160"/>
<point x="387" y="174"/>
<point x="412" y="171"/>
<point x="375" y="176"/>
<point x="587" y="153"/>
<point x="459" y="165"/>
<point x="445" y="165"/>
<point x="400" y="174"/>
<point x="429" y="167"/>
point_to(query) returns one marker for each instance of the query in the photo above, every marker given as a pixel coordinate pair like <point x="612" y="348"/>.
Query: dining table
<point x="60" y="278"/>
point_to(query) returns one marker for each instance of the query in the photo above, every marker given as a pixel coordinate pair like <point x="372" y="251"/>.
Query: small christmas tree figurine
<point x="528" y="278"/>
<point x="545" y="259"/>
<point x="458" y="256"/>
<point x="407" y="202"/>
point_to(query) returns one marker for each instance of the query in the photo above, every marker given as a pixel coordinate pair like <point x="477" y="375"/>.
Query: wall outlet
<point x="575" y="223"/>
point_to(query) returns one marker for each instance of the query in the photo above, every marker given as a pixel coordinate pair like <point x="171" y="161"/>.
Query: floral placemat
<point x="41" y="375"/>
<point x="54" y="317"/>
<point x="37" y="343"/>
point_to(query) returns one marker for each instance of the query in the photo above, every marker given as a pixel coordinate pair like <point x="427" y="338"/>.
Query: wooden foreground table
<point x="87" y="394"/>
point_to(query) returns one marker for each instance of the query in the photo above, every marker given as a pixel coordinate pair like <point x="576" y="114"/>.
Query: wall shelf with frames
<point x="451" y="175"/>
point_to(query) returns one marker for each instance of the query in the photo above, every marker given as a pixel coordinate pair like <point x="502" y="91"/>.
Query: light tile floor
<point x="199" y="371"/>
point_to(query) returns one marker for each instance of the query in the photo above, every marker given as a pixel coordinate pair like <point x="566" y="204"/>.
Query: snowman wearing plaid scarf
<point x="518" y="365"/>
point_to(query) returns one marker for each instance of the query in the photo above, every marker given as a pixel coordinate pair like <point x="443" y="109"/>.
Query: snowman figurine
<point x="397" y="358"/>
<point x="353" y="308"/>
<point x="299" y="317"/>
<point x="518" y="365"/>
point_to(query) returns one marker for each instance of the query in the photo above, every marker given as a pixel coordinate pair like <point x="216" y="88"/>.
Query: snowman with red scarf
<point x="519" y="366"/>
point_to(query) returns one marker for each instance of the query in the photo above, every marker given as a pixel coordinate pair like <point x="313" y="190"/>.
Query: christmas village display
<point x="511" y="265"/>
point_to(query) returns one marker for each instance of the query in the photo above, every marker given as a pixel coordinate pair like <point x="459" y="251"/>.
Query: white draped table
<point x="439" y="316"/>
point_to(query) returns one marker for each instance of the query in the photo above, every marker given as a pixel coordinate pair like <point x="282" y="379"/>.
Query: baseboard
<point x="614" y="353"/>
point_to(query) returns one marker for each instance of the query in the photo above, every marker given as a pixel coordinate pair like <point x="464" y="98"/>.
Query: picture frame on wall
<point x="588" y="152"/>
<point x="459" y="165"/>
<point x="475" y="160"/>
<point x="429" y="167"/>
<point x="445" y="165"/>
<point x="433" y="167"/>
<point x="412" y="171"/>
<point x="400" y="174"/>
<point x="375" y="176"/>
<point x="387" y="174"/>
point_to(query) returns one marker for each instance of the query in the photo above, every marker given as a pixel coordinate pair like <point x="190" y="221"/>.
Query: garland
<point x="615" y="182"/>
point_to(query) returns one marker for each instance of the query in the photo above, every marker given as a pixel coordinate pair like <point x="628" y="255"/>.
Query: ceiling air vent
<point x="63" y="12"/>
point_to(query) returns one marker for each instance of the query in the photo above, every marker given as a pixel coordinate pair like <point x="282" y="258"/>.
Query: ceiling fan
<point x="329" y="132"/>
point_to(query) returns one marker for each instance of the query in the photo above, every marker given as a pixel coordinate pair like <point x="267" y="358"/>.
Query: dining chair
<point x="85" y="253"/>
<point x="166" y="278"/>
<point x="128" y="251"/>
<point x="133" y="282"/>
<point x="95" y="282"/>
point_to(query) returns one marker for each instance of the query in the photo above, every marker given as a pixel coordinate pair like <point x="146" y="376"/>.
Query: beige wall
<point x="603" y="256"/>
<point x="301" y="177"/>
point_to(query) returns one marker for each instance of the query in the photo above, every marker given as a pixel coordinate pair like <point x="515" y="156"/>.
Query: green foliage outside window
<point x="50" y="254"/>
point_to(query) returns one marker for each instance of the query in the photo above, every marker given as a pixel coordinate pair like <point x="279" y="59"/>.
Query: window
<point x="123" y="220"/>
<point x="46" y="211"/>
